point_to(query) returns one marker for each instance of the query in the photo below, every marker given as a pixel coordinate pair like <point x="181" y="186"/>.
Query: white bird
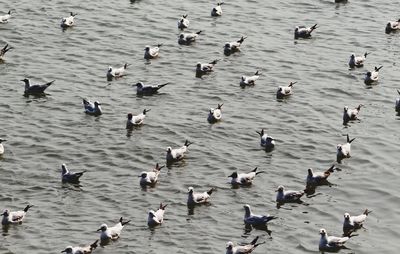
<point x="254" y="219"/>
<point x="318" y="178"/>
<point x="392" y="26"/>
<point x="217" y="10"/>
<point x="91" y="108"/>
<point x="372" y="77"/>
<point x="112" y="233"/>
<point x="283" y="196"/>
<point x="188" y="38"/>
<point x="242" y="249"/>
<point x="142" y="89"/>
<point x="331" y="243"/>
<point x="6" y="17"/>
<point x="183" y="22"/>
<point x="3" y="51"/>
<point x="69" y="21"/>
<point x="178" y="153"/>
<point x="203" y="68"/>
<point x="68" y="176"/>
<point x="284" y="91"/>
<point x="157" y="217"/>
<point x="357" y="61"/>
<point x="150" y="177"/>
<point x="303" y="32"/>
<point x="244" y="178"/>
<point x="136" y="120"/>
<point x="150" y="53"/>
<point x="249" y="80"/>
<point x="266" y="141"/>
<point x="350" y="114"/>
<point x="35" y="89"/>
<point x="199" y="197"/>
<point x="343" y="150"/>
<point x="1" y="146"/>
<point x="352" y="223"/>
<point x="398" y="103"/>
<point x="81" y="250"/>
<point x="116" y="73"/>
<point x="232" y="47"/>
<point x="215" y="114"/>
<point x="14" y="217"/>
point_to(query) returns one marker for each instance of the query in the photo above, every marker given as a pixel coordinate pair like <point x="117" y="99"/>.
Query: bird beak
<point x="98" y="230"/>
<point x="2" y="214"/>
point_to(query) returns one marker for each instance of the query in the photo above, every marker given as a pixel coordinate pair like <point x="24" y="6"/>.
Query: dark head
<point x="345" y="109"/>
<point x="143" y="175"/>
<point x="280" y="188"/>
<point x="322" y="232"/>
<point x="234" y="175"/>
<point x="198" y="66"/>
<point x="25" y="80"/>
<point x="169" y="149"/>
<point x="181" y="36"/>
<point x="346" y="216"/>
<point x="229" y="245"/>
<point x="6" y="212"/>
<point x="67" y="250"/>
<point x="102" y="228"/>
<point x="64" y="169"/>
<point x="310" y="172"/>
<point x="227" y="45"/>
<point x="140" y="84"/>
<point x="96" y="104"/>
<point x="352" y="57"/>
<point x="2" y="140"/>
<point x="147" y="48"/>
<point x="190" y="190"/>
<point x="130" y="116"/>
<point x="145" y="111"/>
<point x="369" y="74"/>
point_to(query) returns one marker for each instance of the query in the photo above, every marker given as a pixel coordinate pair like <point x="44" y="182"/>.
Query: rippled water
<point x="44" y="132"/>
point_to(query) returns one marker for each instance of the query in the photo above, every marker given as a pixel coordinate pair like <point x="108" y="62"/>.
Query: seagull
<point x="244" y="178"/>
<point x="266" y="141"/>
<point x="188" y="38"/>
<point x="249" y="80"/>
<point x="352" y="223"/>
<point x="150" y="53"/>
<point x="318" y="178"/>
<point x="203" y="68"/>
<point x="392" y="26"/>
<point x="116" y="73"/>
<point x="288" y="196"/>
<point x="81" y="250"/>
<point x="217" y="10"/>
<point x="242" y="249"/>
<point x="372" y="76"/>
<point x="331" y="243"/>
<point x="5" y="18"/>
<point x="183" y="22"/>
<point x="215" y="114"/>
<point x="69" y="21"/>
<point x="303" y="32"/>
<point x="142" y="89"/>
<point x="178" y="153"/>
<point x="254" y="219"/>
<point x="3" y="51"/>
<point x="199" y="197"/>
<point x="14" y="217"/>
<point x="357" y="61"/>
<point x="157" y="217"/>
<point x="343" y="150"/>
<point x="284" y="91"/>
<point x="1" y="146"/>
<point x="398" y="103"/>
<point x="350" y="114"/>
<point x="151" y="177"/>
<point x="136" y="120"/>
<point x="112" y="233"/>
<point x="93" y="109"/>
<point x="232" y="47"/>
<point x="35" y="89"/>
<point x="68" y="176"/>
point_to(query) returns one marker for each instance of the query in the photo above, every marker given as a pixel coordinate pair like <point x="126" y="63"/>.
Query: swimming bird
<point x="195" y="198"/>
<point x="254" y="219"/>
<point x="142" y="89"/>
<point x="150" y="177"/>
<point x="244" y="178"/>
<point x="3" y="51"/>
<point x="150" y="53"/>
<point x="188" y="38"/>
<point x="266" y="141"/>
<point x="284" y="91"/>
<point x="136" y="120"/>
<point x="1" y="146"/>
<point x="178" y="153"/>
<point x="318" y="178"/>
<point x="68" y="176"/>
<point x="288" y="196"/>
<point x="112" y="233"/>
<point x="398" y="103"/>
<point x="392" y="26"/>
<point x="304" y="32"/>
<point x="350" y="114"/>
<point x="14" y="217"/>
<point x="242" y="249"/>
<point x="343" y="150"/>
<point x="352" y="223"/>
<point x="249" y="80"/>
<point x="331" y="243"/>
<point x="93" y="109"/>
<point x="217" y="10"/>
<point x="215" y="114"/>
<point x="81" y="250"/>
<point x="157" y="217"/>
<point x="183" y="22"/>
<point x="203" y="68"/>
<point x="35" y="89"/>
<point x="232" y="47"/>
<point x="69" y="21"/>
<point x="116" y="73"/>
<point x="6" y="17"/>
<point x="357" y="61"/>
<point x="372" y="77"/>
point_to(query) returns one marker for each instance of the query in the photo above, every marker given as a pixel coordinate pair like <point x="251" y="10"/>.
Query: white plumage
<point x="249" y="80"/>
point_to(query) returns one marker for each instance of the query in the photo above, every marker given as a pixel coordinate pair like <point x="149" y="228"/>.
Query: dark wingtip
<point x="220" y="106"/>
<point x="210" y="191"/>
<point x="162" y="207"/>
<point x="199" y="32"/>
<point x="187" y="143"/>
<point x="366" y="212"/>
<point x="254" y="240"/>
<point x="255" y="169"/>
<point x="27" y="208"/>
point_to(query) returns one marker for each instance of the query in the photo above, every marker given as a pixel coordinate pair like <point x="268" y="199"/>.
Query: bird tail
<point x="162" y="207"/>
<point x="94" y="245"/>
<point x="126" y="65"/>
<point x="366" y="54"/>
<point x="349" y="140"/>
<point x="398" y="91"/>
<point x="215" y="61"/>
<point x="314" y="27"/>
<point x="359" y="107"/>
<point x="27" y="208"/>
<point x="159" y="86"/>
<point x="9" y="12"/>
<point x="123" y="223"/>
<point x="187" y="143"/>
<point x="254" y="240"/>
<point x="145" y="111"/>
<point x="210" y="191"/>
<point x="159" y="45"/>
<point x="331" y="169"/>
<point x="261" y="133"/>
<point x="242" y="39"/>
<point x="220" y="106"/>
<point x="366" y="212"/>
<point x="72" y="14"/>
<point x="158" y="168"/>
<point x="49" y="83"/>
<point x="292" y="83"/>
<point x="185" y="16"/>
<point x="257" y="73"/>
<point x="378" y="68"/>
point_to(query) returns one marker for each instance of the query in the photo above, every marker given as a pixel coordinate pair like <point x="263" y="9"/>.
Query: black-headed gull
<point x="330" y="243"/>
<point x="195" y="198"/>
<point x="178" y="153"/>
<point x="1" y="145"/>
<point x="357" y="61"/>
<point x="203" y="68"/>
<point x="116" y="72"/>
<point x="232" y="47"/>
<point x="156" y="217"/>
<point x="350" y="114"/>
<point x="68" y="176"/>
<point x="142" y="89"/>
<point x="136" y="120"/>
<point x="3" y="51"/>
<point x="6" y="17"/>
<point x="343" y="150"/>
<point x="35" y="89"/>
<point x="249" y="80"/>
<point x="80" y="250"/>
<point x="217" y="10"/>
<point x="255" y="219"/>
<point x="371" y="77"/>
<point x="244" y="178"/>
<point x="266" y="141"/>
<point x="242" y="249"/>
<point x="352" y="223"/>
<point x="287" y="196"/>
<point x="68" y="21"/>
<point x="150" y="53"/>
<point x="303" y="32"/>
<point x="392" y="26"/>
<point x="15" y="217"/>
<point x="318" y="178"/>
<point x="284" y="91"/>
<point x="215" y="114"/>
<point x="150" y="177"/>
<point x="91" y="108"/>
<point x="112" y="233"/>
<point x="183" y="22"/>
<point x="188" y="38"/>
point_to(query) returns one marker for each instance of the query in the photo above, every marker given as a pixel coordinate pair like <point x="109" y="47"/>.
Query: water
<point x="45" y="132"/>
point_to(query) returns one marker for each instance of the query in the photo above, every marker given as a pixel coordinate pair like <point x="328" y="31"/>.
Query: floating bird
<point x="136" y="120"/>
<point x="215" y="114"/>
<point x="343" y="150"/>
<point x="35" y="89"/>
<point x="203" y="68"/>
<point x="266" y="141"/>
<point x="392" y="26"/>
<point x="142" y="89"/>
<point x="183" y="22"/>
<point x="352" y="223"/>
<point x="93" y="109"/>
<point x="112" y="233"/>
<point x="331" y="243"/>
<point x="288" y="196"/>
<point x="350" y="114"/>
<point x="242" y="249"/>
<point x="254" y="219"/>
<point x="1" y="146"/>
<point x="178" y="153"/>
<point x="150" y="53"/>
<point x="303" y="32"/>
<point x="157" y="217"/>
<point x="68" y="176"/>
<point x="217" y="10"/>
<point x="69" y="21"/>
<point x="3" y="51"/>
<point x="116" y="73"/>
<point x="199" y="197"/>
<point x="188" y="38"/>
<point x="244" y="178"/>
<point x="357" y="61"/>
<point x="318" y="178"/>
<point x="232" y="47"/>
<point x="249" y="80"/>
<point x="372" y="77"/>
<point x="398" y="102"/>
<point x="14" y="217"/>
<point x="5" y="18"/>
<point x="284" y="91"/>
<point x="81" y="250"/>
<point x="151" y="177"/>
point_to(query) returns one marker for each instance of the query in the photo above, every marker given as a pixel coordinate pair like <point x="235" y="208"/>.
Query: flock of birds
<point x="150" y="178"/>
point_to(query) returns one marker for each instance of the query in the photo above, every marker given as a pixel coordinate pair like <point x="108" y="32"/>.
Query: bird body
<point x="244" y="178"/>
<point x="81" y="250"/>
<point x="249" y="80"/>
<point x="203" y="68"/>
<point x="6" y="17"/>
<point x="35" y="89"/>
<point x="112" y="233"/>
<point x="15" y="217"/>
<point x="68" y="176"/>
<point x="357" y="61"/>
<point x="266" y="141"/>
<point x="255" y="219"/>
<point x="116" y="72"/>
<point x="150" y="177"/>
<point x="142" y="89"/>
<point x="150" y="53"/>
<point x="157" y="217"/>
<point x="1" y="146"/>
<point x="4" y="50"/>
<point x="215" y="114"/>
<point x="317" y="178"/>
<point x="331" y="243"/>
<point x="343" y="150"/>
<point x="195" y="198"/>
<point x="242" y="249"/>
<point x="178" y="153"/>
<point x="68" y="21"/>
<point x="217" y="10"/>
<point x="350" y="114"/>
<point x="392" y="26"/>
<point x="183" y="22"/>
<point x="232" y="47"/>
<point x="304" y="32"/>
<point x="136" y="120"/>
<point x="93" y="109"/>
<point x="188" y="38"/>
<point x="352" y="223"/>
<point x="371" y="77"/>
<point x="288" y="195"/>
<point x="284" y="91"/>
